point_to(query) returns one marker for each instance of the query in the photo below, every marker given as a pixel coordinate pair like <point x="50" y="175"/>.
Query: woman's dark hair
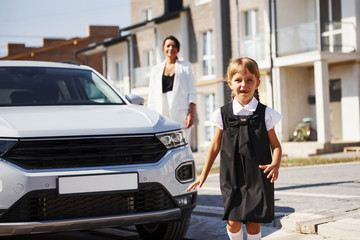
<point x="238" y="65"/>
<point x="171" y="37"/>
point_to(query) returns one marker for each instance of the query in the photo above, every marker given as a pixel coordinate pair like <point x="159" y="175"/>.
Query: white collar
<point x="251" y="106"/>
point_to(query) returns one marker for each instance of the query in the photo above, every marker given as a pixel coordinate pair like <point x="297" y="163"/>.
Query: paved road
<point x="308" y="193"/>
<point x="327" y="189"/>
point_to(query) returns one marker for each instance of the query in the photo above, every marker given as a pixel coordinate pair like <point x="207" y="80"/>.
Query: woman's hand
<point x="189" y="121"/>
<point x="272" y="170"/>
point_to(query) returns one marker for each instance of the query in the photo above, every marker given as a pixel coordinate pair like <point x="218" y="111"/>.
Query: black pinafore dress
<point x="248" y="195"/>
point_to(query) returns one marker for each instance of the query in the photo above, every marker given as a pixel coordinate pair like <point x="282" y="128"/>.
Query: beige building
<point x="307" y="50"/>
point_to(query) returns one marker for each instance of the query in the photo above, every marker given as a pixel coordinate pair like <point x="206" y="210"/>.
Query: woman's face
<point x="170" y="50"/>
<point x="243" y="85"/>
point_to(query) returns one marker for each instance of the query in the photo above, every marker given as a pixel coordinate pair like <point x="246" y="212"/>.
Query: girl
<point x="244" y="134"/>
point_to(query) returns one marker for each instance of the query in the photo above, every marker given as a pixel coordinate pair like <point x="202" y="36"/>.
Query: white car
<point x="74" y="154"/>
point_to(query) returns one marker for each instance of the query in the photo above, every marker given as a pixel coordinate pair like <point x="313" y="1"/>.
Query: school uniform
<point x="248" y="195"/>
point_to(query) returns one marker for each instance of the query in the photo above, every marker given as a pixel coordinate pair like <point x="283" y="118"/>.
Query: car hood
<point x="62" y="121"/>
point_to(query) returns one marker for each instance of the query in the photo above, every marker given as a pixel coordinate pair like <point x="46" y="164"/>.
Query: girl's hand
<point x="198" y="183"/>
<point x="273" y="171"/>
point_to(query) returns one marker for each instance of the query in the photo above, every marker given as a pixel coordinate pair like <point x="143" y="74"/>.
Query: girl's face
<point x="170" y="49"/>
<point x="243" y="85"/>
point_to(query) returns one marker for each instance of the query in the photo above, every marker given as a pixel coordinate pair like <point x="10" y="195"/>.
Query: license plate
<point x="97" y="183"/>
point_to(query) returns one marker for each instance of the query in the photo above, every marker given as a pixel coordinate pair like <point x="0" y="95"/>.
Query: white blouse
<point x="272" y="117"/>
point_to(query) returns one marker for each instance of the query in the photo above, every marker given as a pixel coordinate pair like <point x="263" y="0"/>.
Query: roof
<point x="163" y="18"/>
<point x="95" y="48"/>
<point x="99" y="46"/>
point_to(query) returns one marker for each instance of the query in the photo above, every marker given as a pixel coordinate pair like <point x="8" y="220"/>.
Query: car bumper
<point x="21" y="228"/>
<point x="16" y="184"/>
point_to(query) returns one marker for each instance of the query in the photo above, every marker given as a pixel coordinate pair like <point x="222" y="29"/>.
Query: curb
<point x="347" y="228"/>
<point x="341" y="226"/>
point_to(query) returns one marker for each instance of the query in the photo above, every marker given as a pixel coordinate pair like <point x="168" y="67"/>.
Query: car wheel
<point x="174" y="230"/>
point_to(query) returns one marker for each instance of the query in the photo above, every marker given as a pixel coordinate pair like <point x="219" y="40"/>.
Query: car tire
<point x="174" y="230"/>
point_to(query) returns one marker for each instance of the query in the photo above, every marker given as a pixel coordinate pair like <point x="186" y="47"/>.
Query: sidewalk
<point x="312" y="224"/>
<point x="341" y="226"/>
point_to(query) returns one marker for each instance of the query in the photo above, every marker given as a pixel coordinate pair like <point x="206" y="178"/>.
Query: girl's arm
<point x="210" y="158"/>
<point x="273" y="168"/>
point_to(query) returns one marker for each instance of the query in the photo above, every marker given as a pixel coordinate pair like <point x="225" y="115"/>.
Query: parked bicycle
<point x="304" y="131"/>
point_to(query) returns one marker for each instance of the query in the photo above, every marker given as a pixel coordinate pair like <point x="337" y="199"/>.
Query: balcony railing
<point x="141" y="77"/>
<point x="297" y="39"/>
<point x="336" y="36"/>
<point x="256" y="47"/>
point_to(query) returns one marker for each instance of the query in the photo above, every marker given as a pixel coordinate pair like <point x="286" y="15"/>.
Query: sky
<point x="28" y="21"/>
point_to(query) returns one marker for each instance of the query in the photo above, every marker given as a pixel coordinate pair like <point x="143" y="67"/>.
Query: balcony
<point x="336" y="37"/>
<point x="297" y="39"/>
<point x="256" y="47"/>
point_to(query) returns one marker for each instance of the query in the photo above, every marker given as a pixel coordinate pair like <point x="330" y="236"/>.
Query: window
<point x="335" y="90"/>
<point x="209" y="109"/>
<point x="21" y="86"/>
<point x="120" y="71"/>
<point x="149" y="57"/>
<point x="147" y="14"/>
<point x="330" y="14"/>
<point x="251" y="22"/>
<point x="208" y="57"/>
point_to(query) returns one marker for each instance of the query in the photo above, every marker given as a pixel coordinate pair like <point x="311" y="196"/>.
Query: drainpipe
<point x="222" y="38"/>
<point x="157" y="58"/>
<point x="237" y="28"/>
<point x="271" y="53"/>
<point x="128" y="60"/>
<point x="104" y="56"/>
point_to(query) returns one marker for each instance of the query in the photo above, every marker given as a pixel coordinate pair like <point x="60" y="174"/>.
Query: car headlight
<point x="6" y="145"/>
<point x="172" y="139"/>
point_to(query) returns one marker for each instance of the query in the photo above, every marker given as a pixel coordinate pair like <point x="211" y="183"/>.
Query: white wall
<point x="349" y="14"/>
<point x="291" y="12"/>
<point x="178" y="28"/>
<point x="116" y="53"/>
<point x="350" y="103"/>
<point x="300" y="85"/>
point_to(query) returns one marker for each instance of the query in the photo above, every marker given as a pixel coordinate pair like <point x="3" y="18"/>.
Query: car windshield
<point x="20" y="86"/>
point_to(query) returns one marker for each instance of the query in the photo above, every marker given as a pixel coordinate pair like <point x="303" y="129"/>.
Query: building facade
<point x="307" y="51"/>
<point x="58" y="50"/>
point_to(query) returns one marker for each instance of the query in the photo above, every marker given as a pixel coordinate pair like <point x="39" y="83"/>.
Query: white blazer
<point x="183" y="92"/>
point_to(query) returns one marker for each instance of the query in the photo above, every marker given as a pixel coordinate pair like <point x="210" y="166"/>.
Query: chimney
<point x="52" y="41"/>
<point x="103" y="31"/>
<point x="17" y="48"/>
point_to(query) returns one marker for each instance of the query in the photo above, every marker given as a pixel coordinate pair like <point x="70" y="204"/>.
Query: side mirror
<point x="135" y="99"/>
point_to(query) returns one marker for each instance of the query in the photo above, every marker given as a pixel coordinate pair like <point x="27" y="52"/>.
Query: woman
<point x="172" y="87"/>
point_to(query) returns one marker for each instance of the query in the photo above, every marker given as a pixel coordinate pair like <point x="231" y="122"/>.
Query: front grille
<point x="47" y="205"/>
<point x="85" y="152"/>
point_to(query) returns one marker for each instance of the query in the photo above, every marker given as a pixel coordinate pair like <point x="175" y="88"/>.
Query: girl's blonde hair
<point x="237" y="65"/>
